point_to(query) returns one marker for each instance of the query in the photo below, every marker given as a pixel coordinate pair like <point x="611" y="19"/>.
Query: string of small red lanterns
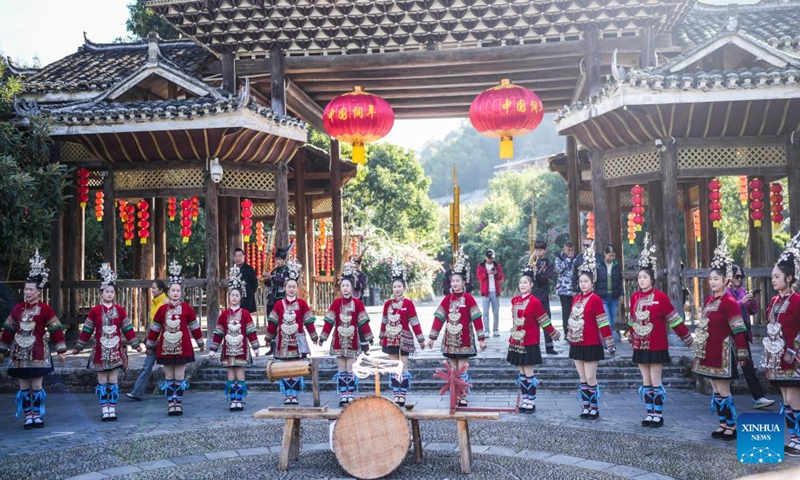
<point x="638" y="207"/>
<point x="776" y="199"/>
<point x="715" y="206"/>
<point x="590" y="225"/>
<point x="83" y="187"/>
<point x="696" y="219"/>
<point x="172" y="208"/>
<point x="195" y="208"/>
<point x="631" y="229"/>
<point x="247" y="221"/>
<point x="186" y="220"/>
<point x="757" y="205"/>
<point x="128" y="216"/>
<point x="98" y="206"/>
<point x="260" y="236"/>
<point x="144" y="221"/>
<point x="743" y="189"/>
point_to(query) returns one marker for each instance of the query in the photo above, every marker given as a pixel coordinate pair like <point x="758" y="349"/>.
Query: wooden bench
<point x="290" y="445"/>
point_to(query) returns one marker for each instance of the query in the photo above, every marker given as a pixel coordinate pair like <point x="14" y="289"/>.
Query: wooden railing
<point x="323" y="292"/>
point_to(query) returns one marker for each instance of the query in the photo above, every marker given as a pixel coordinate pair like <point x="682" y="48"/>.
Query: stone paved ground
<point x="211" y="442"/>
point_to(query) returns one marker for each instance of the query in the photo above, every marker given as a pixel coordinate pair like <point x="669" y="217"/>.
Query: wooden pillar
<point x="300" y="207"/>
<point x="159" y="237"/>
<point x="573" y="193"/>
<point x="336" y="197"/>
<point x="210" y="190"/>
<point x="592" y="60"/>
<point x="615" y="223"/>
<point x="282" y="205"/>
<point x="75" y="238"/>
<point x="309" y="268"/>
<point x="109" y="221"/>
<point x="56" y="262"/>
<point x="147" y="250"/>
<point x="233" y="215"/>
<point x="793" y="174"/>
<point x="647" y="56"/>
<point x="655" y="201"/>
<point x="669" y="180"/>
<point x="278" y="80"/>
<point x="688" y="228"/>
<point x="229" y="72"/>
<point x="222" y="221"/>
<point x="708" y="240"/>
<point x="602" y="227"/>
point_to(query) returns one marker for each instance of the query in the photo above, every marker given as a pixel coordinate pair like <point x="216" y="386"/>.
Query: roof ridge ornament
<point x="153" y="51"/>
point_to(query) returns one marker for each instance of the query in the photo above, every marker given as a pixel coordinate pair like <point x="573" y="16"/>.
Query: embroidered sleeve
<point x="438" y="321"/>
<point x="413" y="321"/>
<point x="87" y="330"/>
<point x="308" y="321"/>
<point x="219" y="333"/>
<point x="363" y="325"/>
<point x="330" y="321"/>
<point x="274" y="316"/>
<point x="126" y="327"/>
<point x="56" y="331"/>
<point x="250" y="330"/>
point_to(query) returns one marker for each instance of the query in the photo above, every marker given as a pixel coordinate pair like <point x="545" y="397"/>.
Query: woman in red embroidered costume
<point x="715" y="354"/>
<point x="460" y="317"/>
<point x="350" y="323"/>
<point x="651" y="315"/>
<point x="107" y="323"/>
<point x="169" y="335"/>
<point x="528" y="315"/>
<point x="587" y="322"/>
<point x="782" y="344"/>
<point x="23" y="341"/>
<point x="399" y="327"/>
<point x="289" y="321"/>
<point x="236" y="333"/>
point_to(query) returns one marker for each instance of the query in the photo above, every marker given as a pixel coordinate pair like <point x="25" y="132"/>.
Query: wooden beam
<point x="229" y="72"/>
<point x="160" y="238"/>
<point x="655" y="203"/>
<point x="592" y="59"/>
<point x="251" y="193"/>
<point x="793" y="173"/>
<point x="707" y="243"/>
<point x="573" y="177"/>
<point x="56" y="262"/>
<point x="109" y="221"/>
<point x="451" y="91"/>
<point x="75" y="239"/>
<point x="233" y="215"/>
<point x="304" y="106"/>
<point x="336" y="200"/>
<point x="278" y="77"/>
<point x="158" y="193"/>
<point x="600" y="197"/>
<point x="647" y="54"/>
<point x="309" y="268"/>
<point x="672" y="252"/>
<point x="300" y="210"/>
<point x="282" y="205"/>
<point x="212" y="252"/>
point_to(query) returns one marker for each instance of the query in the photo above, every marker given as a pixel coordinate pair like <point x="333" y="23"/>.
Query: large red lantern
<point x="172" y="208"/>
<point x="98" y="206"/>
<point x="776" y="201"/>
<point x="144" y="221"/>
<point x="359" y="118"/>
<point x="715" y="206"/>
<point x="506" y="111"/>
<point x="247" y="221"/>
<point x="638" y="206"/>
<point x="757" y="204"/>
<point x="186" y="220"/>
<point x="83" y="187"/>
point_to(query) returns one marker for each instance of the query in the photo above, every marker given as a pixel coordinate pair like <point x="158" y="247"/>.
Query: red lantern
<point x="696" y="219"/>
<point x="129" y="211"/>
<point x="195" y="208"/>
<point x="172" y="209"/>
<point x="186" y="220"/>
<point x="144" y="222"/>
<point x="506" y="111"/>
<point x="631" y="229"/>
<point x="756" y="206"/>
<point x="247" y="222"/>
<point x="776" y="199"/>
<point x="590" y="225"/>
<point x="260" y="235"/>
<point x="98" y="206"/>
<point x="83" y="187"/>
<point x="743" y="189"/>
<point x="638" y="207"/>
<point x="715" y="207"/>
<point x="359" y="118"/>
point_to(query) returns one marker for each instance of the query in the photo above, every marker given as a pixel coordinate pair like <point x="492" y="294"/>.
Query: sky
<point x="53" y="29"/>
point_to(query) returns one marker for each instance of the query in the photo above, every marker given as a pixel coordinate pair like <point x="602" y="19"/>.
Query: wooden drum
<point x="295" y="368"/>
<point x="371" y="437"/>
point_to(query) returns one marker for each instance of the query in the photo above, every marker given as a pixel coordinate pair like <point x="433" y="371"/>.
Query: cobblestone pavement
<point x="210" y="442"/>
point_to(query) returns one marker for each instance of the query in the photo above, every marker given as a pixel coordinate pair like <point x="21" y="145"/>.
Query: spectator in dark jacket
<point x="543" y="271"/>
<point x="609" y="286"/>
<point x="564" y="262"/>
<point x="250" y="281"/>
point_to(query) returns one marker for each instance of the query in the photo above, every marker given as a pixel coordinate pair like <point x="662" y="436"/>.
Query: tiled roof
<point x="775" y="23"/>
<point x="97" y="67"/>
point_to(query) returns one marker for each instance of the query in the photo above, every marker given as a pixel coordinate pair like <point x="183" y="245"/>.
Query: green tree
<point x="143" y="20"/>
<point x="390" y="193"/>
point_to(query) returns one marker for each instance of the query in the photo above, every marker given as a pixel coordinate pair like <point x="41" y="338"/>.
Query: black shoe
<point x="718" y="432"/>
<point x="134" y="397"/>
<point x="531" y="410"/>
<point x="28" y="425"/>
<point x="657" y="422"/>
<point x="38" y="423"/>
<point x="728" y="437"/>
<point x="585" y="413"/>
<point x="551" y="351"/>
<point x="793" y="449"/>
<point x="593" y="415"/>
<point x="647" y="420"/>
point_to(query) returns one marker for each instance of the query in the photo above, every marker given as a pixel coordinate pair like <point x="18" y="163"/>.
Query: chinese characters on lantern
<point x="359" y="118"/>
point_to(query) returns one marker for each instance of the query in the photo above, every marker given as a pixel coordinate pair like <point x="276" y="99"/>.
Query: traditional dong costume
<point x="235" y="328"/>
<point x="587" y="322"/>
<point x="782" y="344"/>
<point x="169" y="335"/>
<point x="348" y="319"/>
<point x="528" y="315"/>
<point x="715" y="353"/>
<point x="460" y="317"/>
<point x="651" y="315"/>
<point x="24" y="341"/>
<point x="288" y="323"/>
<point x="399" y="329"/>
<point x="107" y="324"/>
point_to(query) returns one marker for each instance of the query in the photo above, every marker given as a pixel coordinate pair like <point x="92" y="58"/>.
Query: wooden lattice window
<point x="249" y="179"/>
<point x="322" y="206"/>
<point x="722" y="157"/>
<point x="172" y="178"/>
<point x="75" y="152"/>
<point x="644" y="162"/>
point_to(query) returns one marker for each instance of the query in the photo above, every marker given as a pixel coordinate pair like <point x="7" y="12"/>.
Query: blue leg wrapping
<point x="394" y="383"/>
<point x="100" y="391"/>
<point x="229" y="391"/>
<point x="23" y="400"/>
<point x="166" y="387"/>
<point x="659" y="395"/>
<point x="533" y="382"/>
<point x="405" y="384"/>
<point x="353" y="382"/>
<point x="594" y="396"/>
<point x="113" y="394"/>
<point x="38" y="402"/>
<point x="299" y="386"/>
<point x="716" y="406"/>
<point x="465" y="377"/>
<point x="341" y="381"/>
<point x="729" y="411"/>
<point x="584" y="395"/>
<point x="241" y="392"/>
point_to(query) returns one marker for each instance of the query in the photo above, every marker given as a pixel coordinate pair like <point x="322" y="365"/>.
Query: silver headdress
<point x="722" y="260"/>
<point x="235" y="281"/>
<point x="589" y="264"/>
<point x="461" y="264"/>
<point x="175" y="273"/>
<point x="648" y="259"/>
<point x="348" y="272"/>
<point x="295" y="270"/>
<point x="398" y="271"/>
<point x="38" y="273"/>
<point x="107" y="276"/>
<point x="790" y="258"/>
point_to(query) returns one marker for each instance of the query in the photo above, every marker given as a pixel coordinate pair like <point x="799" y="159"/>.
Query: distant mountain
<point x="476" y="155"/>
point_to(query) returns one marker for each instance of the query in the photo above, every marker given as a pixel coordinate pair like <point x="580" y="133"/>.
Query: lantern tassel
<point x="143" y="241"/>
<point x="359" y="156"/>
<point x="756" y="223"/>
<point x="185" y="239"/>
<point x="246" y="238"/>
<point x="506" y="147"/>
